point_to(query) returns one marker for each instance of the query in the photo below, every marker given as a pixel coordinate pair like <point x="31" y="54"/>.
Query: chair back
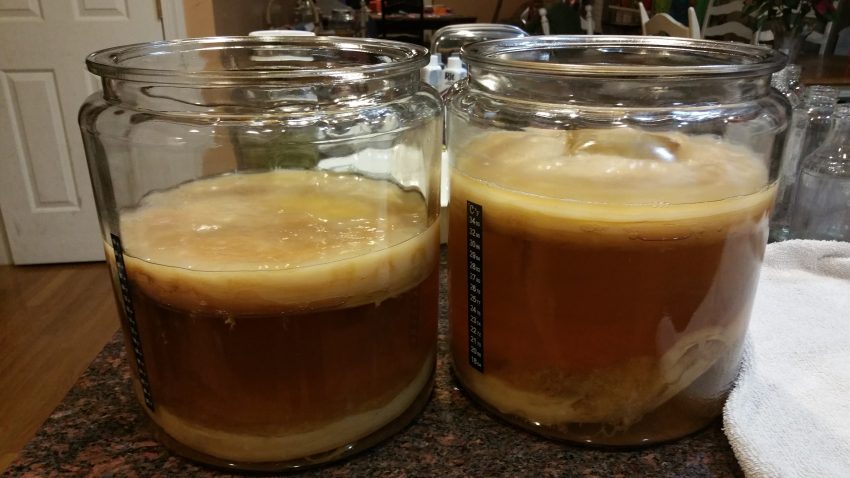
<point x="587" y="21"/>
<point x="664" y="24"/>
<point x="726" y="28"/>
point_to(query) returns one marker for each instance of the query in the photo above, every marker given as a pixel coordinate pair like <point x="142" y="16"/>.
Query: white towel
<point x="789" y="414"/>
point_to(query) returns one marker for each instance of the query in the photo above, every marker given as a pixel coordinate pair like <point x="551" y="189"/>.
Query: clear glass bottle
<point x="811" y="122"/>
<point x="608" y="218"/>
<point x="794" y="74"/>
<point x="343" y="22"/>
<point x="306" y="16"/>
<point x="270" y="213"/>
<point x="785" y="82"/>
<point x="362" y="18"/>
<point x="821" y="207"/>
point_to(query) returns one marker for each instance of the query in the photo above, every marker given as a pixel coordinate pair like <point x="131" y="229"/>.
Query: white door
<point x="45" y="193"/>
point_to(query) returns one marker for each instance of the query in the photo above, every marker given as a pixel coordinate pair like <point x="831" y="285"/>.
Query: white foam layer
<point x="278" y="241"/>
<point x="591" y="180"/>
<point x="614" y="166"/>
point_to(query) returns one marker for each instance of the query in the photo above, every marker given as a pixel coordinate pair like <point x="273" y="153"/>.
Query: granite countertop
<point x="100" y="430"/>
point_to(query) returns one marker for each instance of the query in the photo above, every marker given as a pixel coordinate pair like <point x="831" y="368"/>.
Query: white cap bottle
<point x="453" y="72"/>
<point x="432" y="72"/>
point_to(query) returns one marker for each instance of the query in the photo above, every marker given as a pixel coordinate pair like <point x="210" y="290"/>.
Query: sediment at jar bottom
<point x="283" y="445"/>
<point x="640" y="401"/>
<point x="680" y="416"/>
<point x="253" y="358"/>
<point x="599" y="316"/>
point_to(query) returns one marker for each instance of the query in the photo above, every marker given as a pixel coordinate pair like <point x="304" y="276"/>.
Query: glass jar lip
<point x="673" y="57"/>
<point x="125" y="62"/>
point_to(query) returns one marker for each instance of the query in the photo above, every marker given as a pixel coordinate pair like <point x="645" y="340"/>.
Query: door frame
<point x="173" y="19"/>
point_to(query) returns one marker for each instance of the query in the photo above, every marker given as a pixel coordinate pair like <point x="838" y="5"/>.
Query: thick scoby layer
<point x="287" y="240"/>
<point x="622" y="166"/>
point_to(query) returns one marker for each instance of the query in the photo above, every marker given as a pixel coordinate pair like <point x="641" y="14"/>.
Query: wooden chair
<point x="587" y="21"/>
<point x="733" y="27"/>
<point x="821" y="39"/>
<point x="664" y="24"/>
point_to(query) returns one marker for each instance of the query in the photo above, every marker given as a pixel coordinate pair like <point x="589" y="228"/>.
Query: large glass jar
<point x="608" y="217"/>
<point x="269" y="209"/>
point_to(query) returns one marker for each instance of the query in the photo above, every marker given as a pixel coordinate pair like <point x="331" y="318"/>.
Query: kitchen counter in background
<point x="829" y="70"/>
<point x="99" y="430"/>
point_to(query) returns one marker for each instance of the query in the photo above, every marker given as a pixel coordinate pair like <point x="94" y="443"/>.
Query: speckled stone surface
<point x="99" y="430"/>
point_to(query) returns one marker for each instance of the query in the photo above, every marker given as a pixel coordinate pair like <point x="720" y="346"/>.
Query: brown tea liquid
<point x="282" y="315"/>
<point x="617" y="318"/>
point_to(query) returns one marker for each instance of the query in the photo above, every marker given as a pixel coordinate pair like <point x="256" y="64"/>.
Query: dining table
<point x="826" y="70"/>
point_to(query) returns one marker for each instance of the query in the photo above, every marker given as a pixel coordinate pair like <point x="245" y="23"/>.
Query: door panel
<point x="101" y="9"/>
<point x="40" y="141"/>
<point x="20" y="10"/>
<point x="45" y="193"/>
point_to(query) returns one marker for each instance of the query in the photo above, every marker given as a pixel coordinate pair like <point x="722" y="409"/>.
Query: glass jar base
<point x="594" y="435"/>
<point x="337" y="454"/>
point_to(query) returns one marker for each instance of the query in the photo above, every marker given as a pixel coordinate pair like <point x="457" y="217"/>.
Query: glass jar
<point x="608" y="217"/>
<point x="269" y="209"/>
<point x="808" y="127"/>
<point x="821" y="207"/>
<point x="450" y="38"/>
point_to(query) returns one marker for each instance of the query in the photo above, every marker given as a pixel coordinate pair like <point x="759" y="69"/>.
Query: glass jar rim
<point x="144" y="61"/>
<point x="624" y="56"/>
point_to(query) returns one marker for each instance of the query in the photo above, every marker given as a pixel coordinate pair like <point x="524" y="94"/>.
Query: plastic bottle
<point x="432" y="72"/>
<point x="454" y="72"/>
<point x="810" y="123"/>
<point x="821" y="207"/>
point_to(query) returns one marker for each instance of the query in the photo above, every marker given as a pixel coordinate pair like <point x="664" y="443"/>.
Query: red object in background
<point x="375" y="6"/>
<point x="824" y="6"/>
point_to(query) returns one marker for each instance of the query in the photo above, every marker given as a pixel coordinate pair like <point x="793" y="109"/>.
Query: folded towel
<point x="789" y="414"/>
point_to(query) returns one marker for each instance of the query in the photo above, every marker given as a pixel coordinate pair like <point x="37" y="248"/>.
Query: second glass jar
<point x="608" y="218"/>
